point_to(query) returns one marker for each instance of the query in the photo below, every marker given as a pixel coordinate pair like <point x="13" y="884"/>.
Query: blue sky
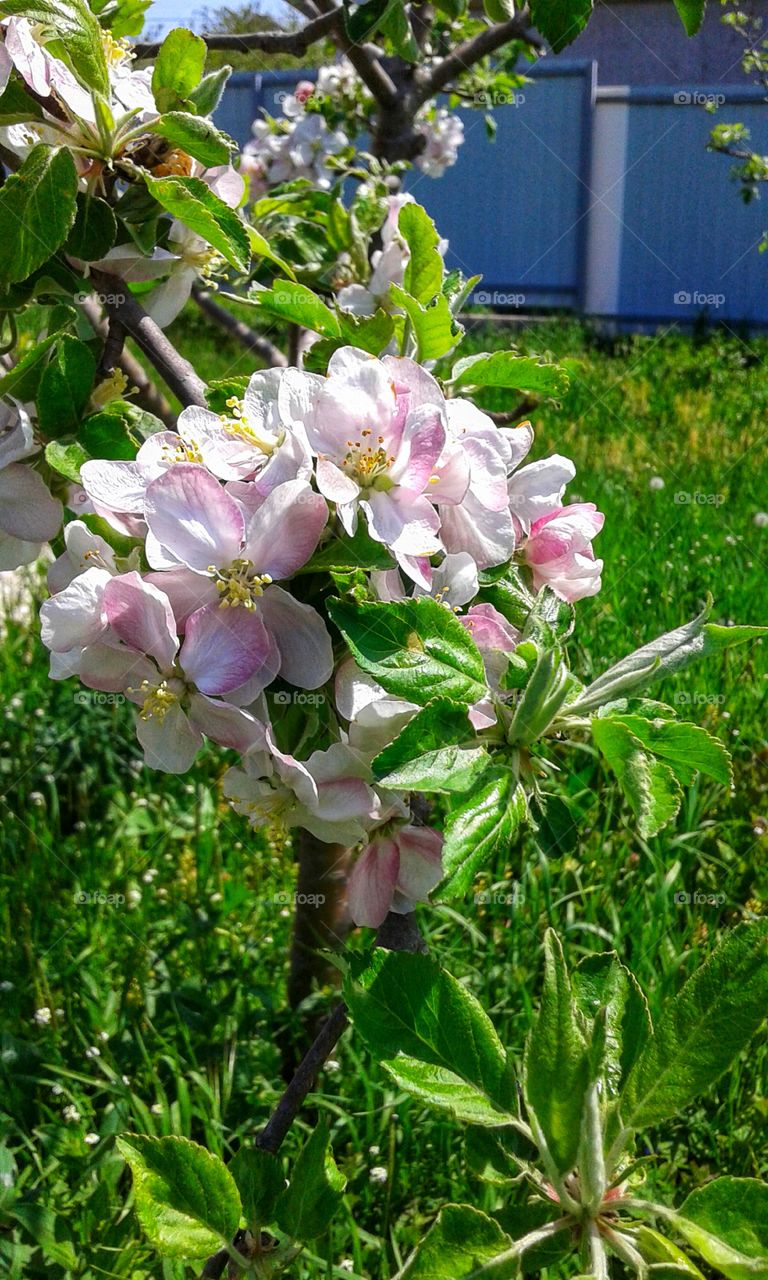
<point x="178" y="13"/>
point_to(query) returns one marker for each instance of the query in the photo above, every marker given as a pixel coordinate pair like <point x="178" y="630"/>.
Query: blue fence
<point x="602" y="200"/>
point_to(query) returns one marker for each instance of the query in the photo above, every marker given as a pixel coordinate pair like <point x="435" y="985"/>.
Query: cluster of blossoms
<point x="318" y="122"/>
<point x="210" y="608"/>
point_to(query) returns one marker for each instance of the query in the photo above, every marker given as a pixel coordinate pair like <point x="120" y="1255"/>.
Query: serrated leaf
<point x="434" y="327"/>
<point x="462" y="1244"/>
<point x="94" y="230"/>
<point x="556" y="1061"/>
<point x="649" y="785"/>
<point x="603" y="982"/>
<point x="726" y="1221"/>
<point x="37" y="210"/>
<point x="495" y="1154"/>
<point x="479" y="829"/>
<point x="65" y="387"/>
<point x="434" y="752"/>
<point x="299" y="305"/>
<point x="307" y="1205"/>
<point x="186" y="1199"/>
<point x="200" y="209"/>
<point x="342" y="551"/>
<point x="260" y="1180"/>
<point x="66" y="459"/>
<point x="686" y="748"/>
<point x="560" y="21"/>
<point x="206" y="96"/>
<point x="656" y="1250"/>
<point x="424" y="272"/>
<point x="540" y="700"/>
<point x="22" y="380"/>
<point x="178" y="68"/>
<point x="407" y="1009"/>
<point x="443" y="1090"/>
<point x="261" y="248"/>
<point x="505" y="369"/>
<point x="77" y="29"/>
<point x="195" y="135"/>
<point x="415" y="648"/>
<point x="702" y="1029"/>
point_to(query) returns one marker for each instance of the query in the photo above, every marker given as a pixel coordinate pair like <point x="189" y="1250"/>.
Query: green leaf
<point x="602" y="982"/>
<point x="77" y="29"/>
<point x="343" y="551"/>
<point x="260" y="1181"/>
<point x="560" y="21"/>
<point x="667" y="654"/>
<point x="702" y="1029"/>
<point x="424" y="272"/>
<point x="433" y="752"/>
<point x="200" y="209"/>
<point x="16" y="105"/>
<point x="557" y="826"/>
<point x="186" y="1199"/>
<point x="37" y="209"/>
<point x="261" y="248"/>
<point x="206" y="97"/>
<point x="94" y="230"/>
<point x="462" y="1245"/>
<point x="505" y="369"/>
<point x="541" y="699"/>
<point x="23" y="379"/>
<point x="65" y="387"/>
<point x="408" y="1010"/>
<point x="481" y="827"/>
<point x="691" y="14"/>
<point x="726" y="1221"/>
<point x="307" y="1205"/>
<point x="528" y="1214"/>
<point x="687" y="748"/>
<point x="415" y="648"/>
<point x="650" y="785"/>
<point x="444" y="1090"/>
<point x="434" y="328"/>
<point x="556" y="1061"/>
<point x="66" y="459"/>
<point x="299" y="305"/>
<point x="656" y="1250"/>
<point x="178" y="69"/>
<point x="195" y="135"/>
<point x="495" y="1154"/>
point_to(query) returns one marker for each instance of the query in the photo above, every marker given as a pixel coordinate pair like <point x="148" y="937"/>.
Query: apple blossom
<point x="29" y="515"/>
<point x="396" y="869"/>
<point x="559" y="551"/>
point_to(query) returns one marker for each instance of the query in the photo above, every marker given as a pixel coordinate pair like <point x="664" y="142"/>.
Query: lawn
<point x="148" y="921"/>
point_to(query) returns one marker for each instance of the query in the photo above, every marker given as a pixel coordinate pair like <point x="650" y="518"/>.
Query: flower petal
<point x="372" y="883"/>
<point x="194" y="518"/>
<point x="142" y="617"/>
<point x="306" y="652"/>
<point x="283" y="533"/>
<point x="223" y="648"/>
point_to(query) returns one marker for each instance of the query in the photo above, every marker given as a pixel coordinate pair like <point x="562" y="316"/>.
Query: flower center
<point x="184" y="451"/>
<point x="159" y="698"/>
<point x="237" y="426"/>
<point x="368" y="461"/>
<point x="239" y="585"/>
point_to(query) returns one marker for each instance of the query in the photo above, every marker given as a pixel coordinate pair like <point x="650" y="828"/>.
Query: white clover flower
<point x="92" y="1051"/>
<point x="71" y="1114"/>
<point x="760" y="520"/>
<point x="378" y="1173"/>
<point x="91" y="1139"/>
<point x="655" y="483"/>
<point x="42" y="1016"/>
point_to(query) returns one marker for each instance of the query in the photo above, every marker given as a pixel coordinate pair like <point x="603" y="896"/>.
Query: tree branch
<point x="239" y="330"/>
<point x="148" y="395"/>
<point x="367" y="66"/>
<point x="472" y="51"/>
<point x="175" y="371"/>
<point x="293" y="42"/>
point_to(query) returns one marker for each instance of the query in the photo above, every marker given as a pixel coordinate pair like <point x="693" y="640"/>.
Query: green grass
<point x="181" y="986"/>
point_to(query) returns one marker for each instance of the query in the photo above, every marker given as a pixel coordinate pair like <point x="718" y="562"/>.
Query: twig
<point x="148" y="395"/>
<point x="240" y="331"/>
<point x="293" y="42"/>
<point x="175" y="371"/>
<point x="472" y="51"/>
<point x="367" y="66"/>
<point x="504" y="418"/>
<point x="112" y="349"/>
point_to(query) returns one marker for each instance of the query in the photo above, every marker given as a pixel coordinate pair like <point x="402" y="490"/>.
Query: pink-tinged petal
<point x="335" y="484"/>
<point x="142" y="617"/>
<point x="488" y="536"/>
<point x="410" y="377"/>
<point x="282" y="535"/>
<point x="421" y="445"/>
<point x="290" y="461"/>
<point x="248" y="695"/>
<point x="186" y="590"/>
<point x="519" y="440"/>
<point x="27" y="509"/>
<point x="452" y="474"/>
<point x="170" y="743"/>
<point x="113" y="670"/>
<point x="357" y="394"/>
<point x="297" y="394"/>
<point x="489" y="629"/>
<point x="225" y="182"/>
<point x="15" y="552"/>
<point x="162" y="450"/>
<point x="488" y="470"/>
<point x="223" y="648"/>
<point x="85" y="550"/>
<point x="536" y="490"/>
<point x="388" y="585"/>
<point x="455" y="581"/>
<point x="421" y="861"/>
<point x="118" y="485"/>
<point x="158" y="556"/>
<point x="227" y="725"/>
<point x="378" y="723"/>
<point x="407" y="526"/>
<point x="76" y="616"/>
<point x="193" y="517"/>
<point x="64" y="665"/>
<point x="247" y="495"/>
<point x="306" y="652"/>
<point x="228" y="456"/>
<point x="354" y="689"/>
<point x="419" y="570"/>
<point x="372" y="883"/>
<point x="482" y="715"/>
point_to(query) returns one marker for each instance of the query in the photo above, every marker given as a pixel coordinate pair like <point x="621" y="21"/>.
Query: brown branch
<point x="472" y="51"/>
<point x="175" y="371"/>
<point x="148" y="395"/>
<point x="366" y="64"/>
<point x="112" y="349"/>
<point x="293" y="42"/>
<point x="239" y="330"/>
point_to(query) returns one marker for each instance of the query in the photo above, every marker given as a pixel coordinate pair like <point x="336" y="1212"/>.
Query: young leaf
<point x="424" y="272"/>
<point x="505" y="369"/>
<point x="94" y="230"/>
<point x="650" y="785"/>
<point x="556" y="1061"/>
<point x="341" y="551"/>
<point x="726" y="1221"/>
<point x="433" y="752"/>
<point x="186" y="1199"/>
<point x="603" y="982"/>
<point x="195" y="135"/>
<point x="77" y="29"/>
<point x="37" y="209"/>
<point x="260" y="1181"/>
<point x="409" y="1011"/>
<point x="560" y="21"/>
<point x="480" y="827"/>
<point x="23" y="379"/>
<point x="306" y="1206"/>
<point x="541" y="699"/>
<point x="200" y="209"/>
<point x="444" y="1090"/>
<point x="434" y="328"/>
<point x="65" y="387"/>
<point x="702" y="1029"/>
<point x="416" y="649"/>
<point x="178" y="68"/>
<point x="206" y="97"/>
<point x="298" y="304"/>
<point x="687" y="748"/>
<point x="691" y="14"/>
<point x="462" y="1244"/>
<point x="66" y="459"/>
<point x="495" y="1154"/>
<point x="656" y="1250"/>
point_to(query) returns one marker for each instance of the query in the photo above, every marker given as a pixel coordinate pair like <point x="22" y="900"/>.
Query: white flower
<point x="91" y="1139"/>
<point x="71" y="1114"/>
<point x="93" y="1052"/>
<point x="655" y="483"/>
<point x="760" y="520"/>
<point x="444" y="133"/>
<point x="378" y="1173"/>
<point x="42" y="1016"/>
